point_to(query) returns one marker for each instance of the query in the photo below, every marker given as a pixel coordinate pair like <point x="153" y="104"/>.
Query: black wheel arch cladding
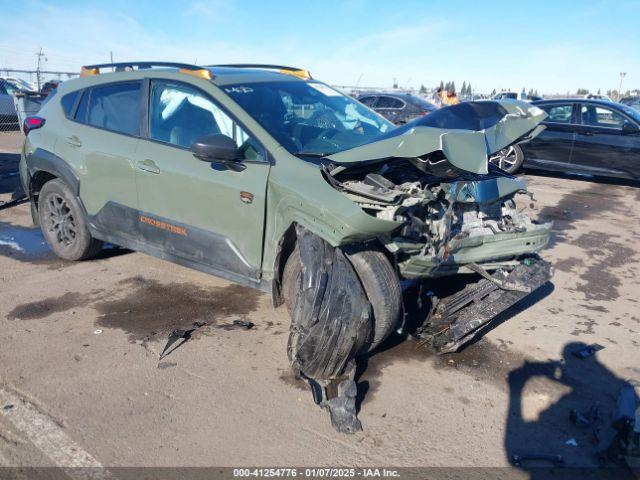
<point x="44" y="161"/>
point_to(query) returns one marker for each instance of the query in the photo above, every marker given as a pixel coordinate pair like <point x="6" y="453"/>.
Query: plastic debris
<point x="97" y="332"/>
<point x="571" y="442"/>
<point x="242" y="324"/>
<point x="518" y="458"/>
<point x="586" y="352"/>
<point x="177" y="335"/>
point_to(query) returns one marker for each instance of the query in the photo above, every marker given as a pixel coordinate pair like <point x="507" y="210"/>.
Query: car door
<point x="552" y="149"/>
<point x="601" y="145"/>
<point x="197" y="211"/>
<point x="99" y="140"/>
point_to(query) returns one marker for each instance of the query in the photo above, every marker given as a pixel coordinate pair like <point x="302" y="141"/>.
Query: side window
<point x="115" y="107"/>
<point x="601" y="117"/>
<point x="3" y="91"/>
<point x="558" y="113"/>
<point x="368" y="101"/>
<point x="180" y="114"/>
<point x="389" y="102"/>
<point x="67" y="102"/>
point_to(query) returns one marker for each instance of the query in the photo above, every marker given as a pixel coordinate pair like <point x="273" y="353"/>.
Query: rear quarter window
<point x="67" y="102"/>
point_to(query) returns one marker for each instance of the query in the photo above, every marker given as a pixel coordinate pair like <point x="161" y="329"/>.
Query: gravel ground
<point x="80" y="346"/>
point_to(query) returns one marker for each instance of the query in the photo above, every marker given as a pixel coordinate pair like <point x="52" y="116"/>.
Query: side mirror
<point x="218" y="148"/>
<point x="629" y="128"/>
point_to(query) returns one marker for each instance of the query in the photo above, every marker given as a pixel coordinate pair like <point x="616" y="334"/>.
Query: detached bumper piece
<point x="456" y="319"/>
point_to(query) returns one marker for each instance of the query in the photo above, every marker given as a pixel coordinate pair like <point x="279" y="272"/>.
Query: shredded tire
<point x="331" y="318"/>
<point x="380" y="282"/>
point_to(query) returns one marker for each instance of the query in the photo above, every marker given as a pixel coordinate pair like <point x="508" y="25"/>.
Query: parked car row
<point x="9" y="88"/>
<point x="588" y="135"/>
<point x="398" y="108"/>
<point x="583" y="136"/>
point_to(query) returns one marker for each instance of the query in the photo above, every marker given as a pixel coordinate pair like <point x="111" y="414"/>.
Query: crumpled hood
<point x="466" y="134"/>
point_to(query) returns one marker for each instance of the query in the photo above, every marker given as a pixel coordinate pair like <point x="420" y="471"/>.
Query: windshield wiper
<point x="313" y="154"/>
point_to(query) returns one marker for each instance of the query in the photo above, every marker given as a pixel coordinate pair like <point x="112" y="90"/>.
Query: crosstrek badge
<point x="163" y="225"/>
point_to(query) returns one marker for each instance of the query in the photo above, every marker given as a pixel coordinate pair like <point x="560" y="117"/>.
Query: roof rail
<point x="187" y="68"/>
<point x="295" y="71"/>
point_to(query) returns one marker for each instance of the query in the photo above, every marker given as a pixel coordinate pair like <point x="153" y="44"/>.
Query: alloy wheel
<point x="61" y="224"/>
<point x="505" y="159"/>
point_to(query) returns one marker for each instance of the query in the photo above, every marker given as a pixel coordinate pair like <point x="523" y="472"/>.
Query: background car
<point x="515" y="96"/>
<point x="583" y="136"/>
<point x="505" y="96"/>
<point x="50" y="86"/>
<point x="633" y="102"/>
<point x="597" y="96"/>
<point x="398" y="108"/>
<point x="8" y="115"/>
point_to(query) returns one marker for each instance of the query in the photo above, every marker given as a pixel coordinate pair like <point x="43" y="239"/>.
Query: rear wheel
<point x="508" y="159"/>
<point x="378" y="278"/>
<point x="63" y="224"/>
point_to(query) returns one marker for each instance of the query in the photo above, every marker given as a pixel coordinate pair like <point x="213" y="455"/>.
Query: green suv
<point x="266" y="177"/>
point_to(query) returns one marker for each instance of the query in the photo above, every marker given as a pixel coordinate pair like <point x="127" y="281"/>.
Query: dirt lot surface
<point x="80" y="372"/>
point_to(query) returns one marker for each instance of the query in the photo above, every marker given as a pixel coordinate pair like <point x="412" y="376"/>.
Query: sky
<point x="552" y="46"/>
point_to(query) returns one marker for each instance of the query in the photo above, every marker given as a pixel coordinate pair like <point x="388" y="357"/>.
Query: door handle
<point x="148" y="166"/>
<point x="73" y="141"/>
<point x="586" y="134"/>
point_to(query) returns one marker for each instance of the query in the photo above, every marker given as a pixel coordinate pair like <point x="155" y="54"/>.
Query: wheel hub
<point x="61" y="224"/>
<point x="505" y="158"/>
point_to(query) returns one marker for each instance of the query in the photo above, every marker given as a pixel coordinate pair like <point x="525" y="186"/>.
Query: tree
<point x="582" y="91"/>
<point x="493" y="92"/>
<point x="598" y="91"/>
<point x="441" y="85"/>
<point x="423" y="89"/>
<point x="453" y="85"/>
<point x="463" y="90"/>
<point x="469" y="89"/>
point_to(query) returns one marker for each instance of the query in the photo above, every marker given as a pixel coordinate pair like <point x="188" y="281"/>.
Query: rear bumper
<point x="456" y="319"/>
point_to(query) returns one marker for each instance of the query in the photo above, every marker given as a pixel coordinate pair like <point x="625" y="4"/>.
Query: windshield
<point x="309" y="118"/>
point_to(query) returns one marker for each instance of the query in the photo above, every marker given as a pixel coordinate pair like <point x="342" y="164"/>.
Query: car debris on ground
<point x="587" y="351"/>
<point x="178" y="334"/>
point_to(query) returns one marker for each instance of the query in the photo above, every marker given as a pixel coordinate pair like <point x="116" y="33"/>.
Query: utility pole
<point x="40" y="56"/>
<point x="622" y="75"/>
<point x="111" y="56"/>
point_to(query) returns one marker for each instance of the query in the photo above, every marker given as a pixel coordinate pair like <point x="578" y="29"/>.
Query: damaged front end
<point x="455" y="212"/>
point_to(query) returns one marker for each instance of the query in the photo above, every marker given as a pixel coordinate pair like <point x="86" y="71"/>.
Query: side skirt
<point x="154" y="251"/>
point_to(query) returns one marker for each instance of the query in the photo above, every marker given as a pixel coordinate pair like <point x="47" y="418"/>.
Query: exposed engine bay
<point x="441" y="220"/>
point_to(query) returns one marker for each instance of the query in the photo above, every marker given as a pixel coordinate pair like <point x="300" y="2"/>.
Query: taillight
<point x="32" y="123"/>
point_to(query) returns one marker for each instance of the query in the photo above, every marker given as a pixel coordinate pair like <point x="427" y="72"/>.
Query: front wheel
<point x="509" y="159"/>
<point x="63" y="224"/>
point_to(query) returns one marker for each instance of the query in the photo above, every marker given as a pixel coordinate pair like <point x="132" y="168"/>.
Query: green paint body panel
<point x="285" y="188"/>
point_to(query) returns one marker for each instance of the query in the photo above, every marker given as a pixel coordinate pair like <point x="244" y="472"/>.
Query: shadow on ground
<point x="536" y="424"/>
